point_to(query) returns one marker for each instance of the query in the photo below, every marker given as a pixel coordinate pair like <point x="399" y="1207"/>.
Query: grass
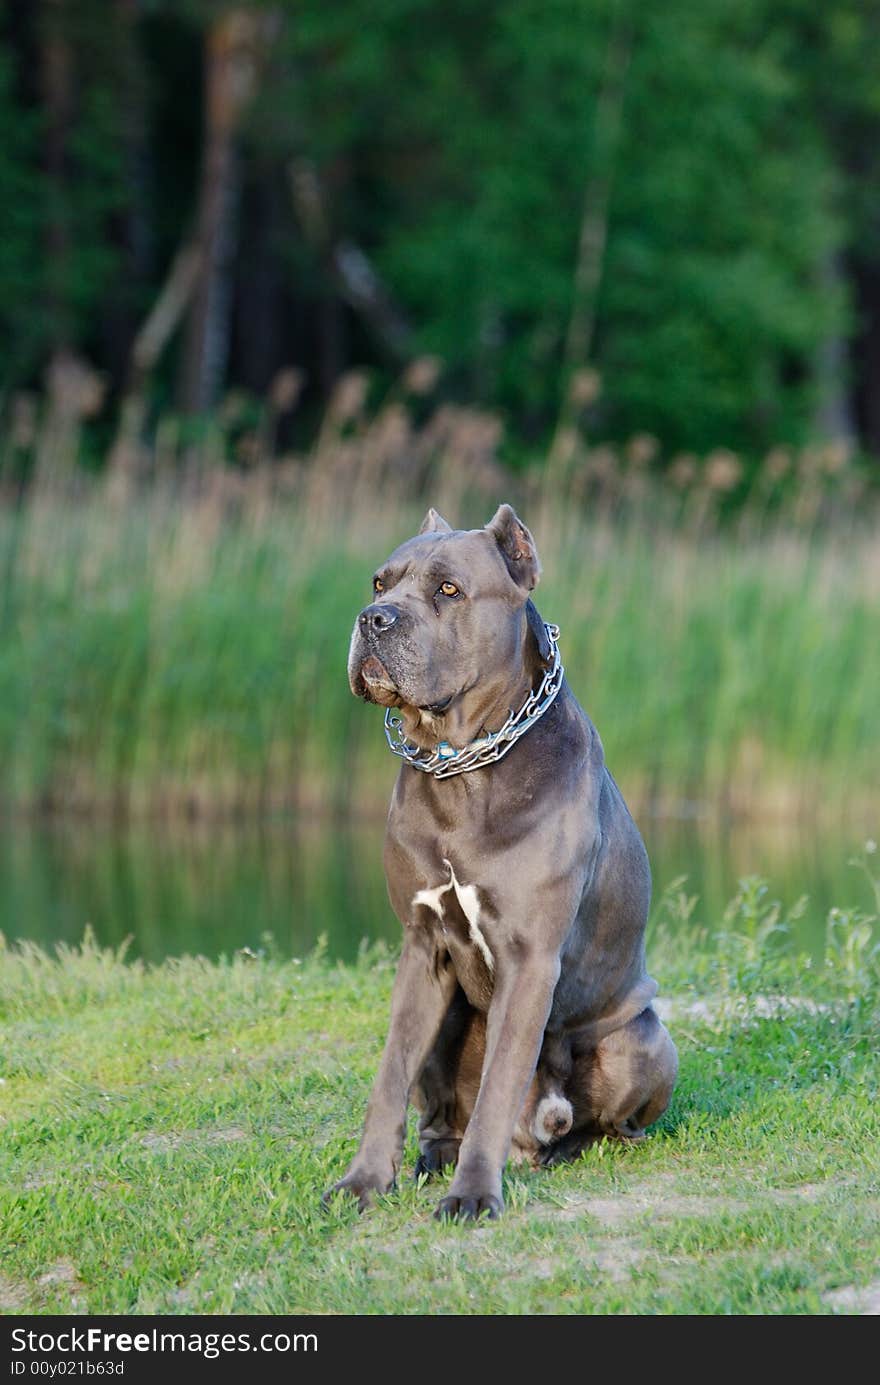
<point x="160" y="653"/>
<point x="167" y="1132"/>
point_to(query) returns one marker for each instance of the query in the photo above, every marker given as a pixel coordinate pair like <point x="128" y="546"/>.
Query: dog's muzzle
<point x="368" y="674"/>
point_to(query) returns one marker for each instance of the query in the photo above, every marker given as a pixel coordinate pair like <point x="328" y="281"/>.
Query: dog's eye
<point x="449" y="589"/>
<point x="378" y="585"/>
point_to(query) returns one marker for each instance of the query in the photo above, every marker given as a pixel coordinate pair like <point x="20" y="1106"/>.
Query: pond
<point x="211" y="889"/>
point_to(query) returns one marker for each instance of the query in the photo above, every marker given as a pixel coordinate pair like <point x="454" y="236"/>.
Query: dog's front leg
<point x="423" y="989"/>
<point x="517" y="1018"/>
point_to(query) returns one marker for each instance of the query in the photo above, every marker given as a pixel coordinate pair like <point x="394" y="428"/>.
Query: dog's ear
<point x="539" y="633"/>
<point x="434" y="523"/>
<point x="517" y="546"/>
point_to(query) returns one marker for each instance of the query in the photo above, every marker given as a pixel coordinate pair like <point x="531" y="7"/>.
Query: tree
<point x="682" y="197"/>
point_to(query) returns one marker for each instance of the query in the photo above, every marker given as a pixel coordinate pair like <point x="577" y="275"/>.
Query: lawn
<point x="167" y="1132"/>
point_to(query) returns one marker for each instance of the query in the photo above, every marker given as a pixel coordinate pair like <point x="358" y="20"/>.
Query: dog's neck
<point x="482" y="708"/>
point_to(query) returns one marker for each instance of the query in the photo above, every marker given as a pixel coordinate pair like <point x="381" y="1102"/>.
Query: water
<point x="213" y="889"/>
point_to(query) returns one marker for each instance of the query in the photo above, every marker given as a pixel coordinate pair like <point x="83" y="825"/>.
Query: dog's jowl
<point x="521" y="1019"/>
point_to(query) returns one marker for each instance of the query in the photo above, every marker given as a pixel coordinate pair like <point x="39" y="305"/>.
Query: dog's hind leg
<point x="619" y="1087"/>
<point x="548" y="1113"/>
<point x="633" y="1077"/>
<point x="442" y="1113"/>
<point x="450" y="1082"/>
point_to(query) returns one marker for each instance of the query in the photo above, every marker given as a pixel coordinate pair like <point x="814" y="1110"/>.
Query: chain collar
<point x="445" y="760"/>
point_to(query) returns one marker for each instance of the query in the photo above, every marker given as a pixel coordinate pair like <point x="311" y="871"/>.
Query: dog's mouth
<point x="438" y="708"/>
<point x="371" y="680"/>
<point x="377" y="683"/>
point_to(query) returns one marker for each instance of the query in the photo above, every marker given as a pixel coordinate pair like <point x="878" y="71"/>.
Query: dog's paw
<point x="436" y="1156"/>
<point x="552" y="1119"/>
<point x="361" y="1185"/>
<point x="469" y="1207"/>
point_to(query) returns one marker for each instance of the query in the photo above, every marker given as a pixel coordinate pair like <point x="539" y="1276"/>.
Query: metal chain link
<point x="445" y="761"/>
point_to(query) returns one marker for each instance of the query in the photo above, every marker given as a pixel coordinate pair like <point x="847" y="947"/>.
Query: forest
<point x="662" y="221"/>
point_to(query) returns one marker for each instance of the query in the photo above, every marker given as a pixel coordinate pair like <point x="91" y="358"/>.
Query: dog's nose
<point x="377" y="618"/>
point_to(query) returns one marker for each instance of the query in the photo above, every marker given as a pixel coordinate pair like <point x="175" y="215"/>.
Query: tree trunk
<point x="596" y="206"/>
<point x="231" y="53"/>
<point x="867" y="352"/>
<point x="131" y="227"/>
<point x="148" y="345"/>
<point x="58" y="95"/>
<point x="262" y="308"/>
<point x="354" y="275"/>
<point x="834" y="420"/>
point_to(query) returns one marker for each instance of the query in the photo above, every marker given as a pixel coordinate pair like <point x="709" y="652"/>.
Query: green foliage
<point x="461" y="148"/>
<point x="722" y="216"/>
<point x="720" y="213"/>
<point x="852" y="956"/>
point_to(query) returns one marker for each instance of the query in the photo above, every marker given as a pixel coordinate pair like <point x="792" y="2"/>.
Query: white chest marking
<point x="470" y="907"/>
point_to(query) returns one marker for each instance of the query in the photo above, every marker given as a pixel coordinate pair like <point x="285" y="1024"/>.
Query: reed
<point x="180" y="646"/>
<point x="174" y="618"/>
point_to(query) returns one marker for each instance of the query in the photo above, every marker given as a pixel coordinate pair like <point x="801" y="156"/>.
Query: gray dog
<point x="521" y="1019"/>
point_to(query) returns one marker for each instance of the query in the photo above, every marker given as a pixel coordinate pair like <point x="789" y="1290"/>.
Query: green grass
<point x="169" y="655"/>
<point x="167" y="1132"/>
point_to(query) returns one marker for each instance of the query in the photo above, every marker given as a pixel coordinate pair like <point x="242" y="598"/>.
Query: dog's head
<point x="447" y="615"/>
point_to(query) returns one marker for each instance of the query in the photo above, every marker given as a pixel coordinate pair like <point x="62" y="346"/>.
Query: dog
<point x="521" y="1019"/>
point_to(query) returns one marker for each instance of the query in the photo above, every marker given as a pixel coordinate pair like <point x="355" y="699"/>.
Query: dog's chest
<point x="454" y="908"/>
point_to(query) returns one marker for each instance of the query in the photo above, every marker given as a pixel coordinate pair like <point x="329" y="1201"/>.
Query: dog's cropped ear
<point x="434" y="523"/>
<point x="517" y="546"/>
<point x="538" y="631"/>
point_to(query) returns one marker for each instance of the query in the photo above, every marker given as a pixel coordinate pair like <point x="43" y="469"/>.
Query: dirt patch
<point x="618" y="1259"/>
<point x="161" y="1144"/>
<point x="19" y="1297"/>
<point x="864" y="1301"/>
<point x="62" y="1272"/>
<point x="614" y="1213"/>
<point x="164" y="1144"/>
<point x="715" y="1008"/>
<point x="803" y="1192"/>
<point x="35" y="1181"/>
<point x="13" y="1297"/>
<point x="662" y="1201"/>
<point x="225" y="1137"/>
